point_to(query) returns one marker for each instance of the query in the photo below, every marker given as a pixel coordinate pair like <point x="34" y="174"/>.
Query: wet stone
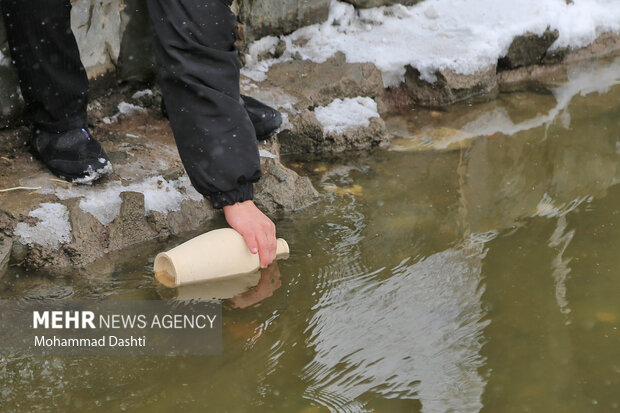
<point x="282" y="190"/>
<point x="528" y="49"/>
<point x="449" y="87"/>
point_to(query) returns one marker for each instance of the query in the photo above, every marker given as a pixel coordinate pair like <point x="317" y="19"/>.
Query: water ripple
<point x="416" y="334"/>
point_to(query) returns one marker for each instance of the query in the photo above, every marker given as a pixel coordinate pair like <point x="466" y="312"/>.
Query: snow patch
<point x="345" y="114"/>
<point x="52" y="229"/>
<point x="93" y="175"/>
<point x="462" y="36"/>
<point x="142" y="93"/>
<point x="264" y="153"/>
<point x="104" y="202"/>
<point x="256" y="68"/>
<point x="128" y="109"/>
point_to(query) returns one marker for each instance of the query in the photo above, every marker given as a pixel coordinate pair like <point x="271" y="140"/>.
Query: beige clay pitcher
<point x="215" y="254"/>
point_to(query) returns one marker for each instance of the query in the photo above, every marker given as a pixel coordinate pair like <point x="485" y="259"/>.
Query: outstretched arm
<point x="198" y="71"/>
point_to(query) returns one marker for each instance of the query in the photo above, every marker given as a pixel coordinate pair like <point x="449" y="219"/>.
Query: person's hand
<point x="256" y="228"/>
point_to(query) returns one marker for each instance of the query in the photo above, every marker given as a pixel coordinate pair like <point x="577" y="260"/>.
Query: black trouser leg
<point x="52" y="78"/>
<point x="198" y="72"/>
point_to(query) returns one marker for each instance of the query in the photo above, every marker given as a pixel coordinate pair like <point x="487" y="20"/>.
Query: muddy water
<point x="471" y="267"/>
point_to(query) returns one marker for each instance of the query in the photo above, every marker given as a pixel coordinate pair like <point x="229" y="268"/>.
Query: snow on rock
<point x="104" y="202"/>
<point x="126" y="109"/>
<point x="264" y="153"/>
<point x="344" y="114"/>
<point x="52" y="229"/>
<point x="462" y="36"/>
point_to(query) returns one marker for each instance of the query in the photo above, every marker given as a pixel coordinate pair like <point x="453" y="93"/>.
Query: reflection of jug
<point x="213" y="289"/>
<point x="238" y="291"/>
<point x="216" y="254"/>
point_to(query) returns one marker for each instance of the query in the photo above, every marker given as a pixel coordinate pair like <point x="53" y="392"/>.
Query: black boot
<point x="266" y="120"/>
<point x="73" y="155"/>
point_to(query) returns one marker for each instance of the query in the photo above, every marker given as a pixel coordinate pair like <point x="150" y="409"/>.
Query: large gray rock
<point x="449" y="87"/>
<point x="298" y="86"/>
<point x="98" y="31"/>
<point x="262" y="18"/>
<point x="528" y="49"/>
<point x="377" y="3"/>
<point x="282" y="190"/>
<point x="307" y="135"/>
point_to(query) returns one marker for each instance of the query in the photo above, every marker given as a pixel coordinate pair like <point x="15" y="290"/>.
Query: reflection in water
<point x="559" y="240"/>
<point x="239" y="291"/>
<point x="416" y="334"/>
<point x="583" y="79"/>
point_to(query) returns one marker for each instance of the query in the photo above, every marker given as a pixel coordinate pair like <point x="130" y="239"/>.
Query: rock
<point x="607" y="45"/>
<point x="280" y="49"/>
<point x="376" y="3"/>
<point x="7" y="223"/>
<point x="301" y="85"/>
<point x="317" y="84"/>
<point x="528" y="49"/>
<point x="535" y="77"/>
<point x="130" y="226"/>
<point x="307" y="136"/>
<point x="554" y="57"/>
<point x="19" y="251"/>
<point x="90" y="237"/>
<point x="282" y="190"/>
<point x="449" y="87"/>
<point x="98" y="31"/>
<point x="191" y="215"/>
<point x="373" y="135"/>
<point x="263" y="18"/>
<point x="6" y="244"/>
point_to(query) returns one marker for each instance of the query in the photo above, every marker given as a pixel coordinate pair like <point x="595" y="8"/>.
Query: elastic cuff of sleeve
<point x="244" y="193"/>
